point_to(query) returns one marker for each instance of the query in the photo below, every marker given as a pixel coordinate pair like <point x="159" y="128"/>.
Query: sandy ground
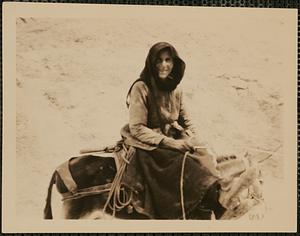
<point x="73" y="76"/>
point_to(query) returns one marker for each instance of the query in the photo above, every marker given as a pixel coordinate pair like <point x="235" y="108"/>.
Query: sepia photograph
<point x="183" y="118"/>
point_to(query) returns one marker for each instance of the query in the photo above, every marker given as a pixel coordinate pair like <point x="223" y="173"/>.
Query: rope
<point x="116" y="189"/>
<point x="181" y="185"/>
<point x="126" y="151"/>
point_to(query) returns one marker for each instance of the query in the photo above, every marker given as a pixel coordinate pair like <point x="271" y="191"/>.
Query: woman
<point x="163" y="185"/>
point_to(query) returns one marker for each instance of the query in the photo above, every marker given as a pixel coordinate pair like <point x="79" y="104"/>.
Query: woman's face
<point x="164" y="64"/>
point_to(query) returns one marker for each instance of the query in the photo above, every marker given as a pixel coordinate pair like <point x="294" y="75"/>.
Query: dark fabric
<point x="154" y="177"/>
<point x="211" y="200"/>
<point x="150" y="73"/>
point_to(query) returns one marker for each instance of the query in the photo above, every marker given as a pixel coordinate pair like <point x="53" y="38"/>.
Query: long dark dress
<point x="154" y="174"/>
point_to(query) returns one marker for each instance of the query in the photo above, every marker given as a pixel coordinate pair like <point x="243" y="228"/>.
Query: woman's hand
<point x="192" y="141"/>
<point x="177" y="144"/>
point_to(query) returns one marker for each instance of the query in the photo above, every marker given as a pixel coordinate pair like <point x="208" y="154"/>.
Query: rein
<point x="181" y="185"/>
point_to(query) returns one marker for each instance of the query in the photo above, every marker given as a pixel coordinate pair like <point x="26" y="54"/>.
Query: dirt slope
<point x="73" y="76"/>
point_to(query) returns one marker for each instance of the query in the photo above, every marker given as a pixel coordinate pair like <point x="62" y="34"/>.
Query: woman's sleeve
<point x="184" y="119"/>
<point x="138" y="116"/>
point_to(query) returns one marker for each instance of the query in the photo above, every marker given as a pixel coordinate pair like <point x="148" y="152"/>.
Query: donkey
<point x="85" y="182"/>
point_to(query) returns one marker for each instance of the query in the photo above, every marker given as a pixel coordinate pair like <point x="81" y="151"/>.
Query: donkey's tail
<point x="48" y="209"/>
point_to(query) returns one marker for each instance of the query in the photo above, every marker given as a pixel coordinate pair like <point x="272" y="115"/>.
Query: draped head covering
<point x="149" y="74"/>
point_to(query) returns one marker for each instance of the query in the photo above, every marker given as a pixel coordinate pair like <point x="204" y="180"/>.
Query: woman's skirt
<point x="159" y="189"/>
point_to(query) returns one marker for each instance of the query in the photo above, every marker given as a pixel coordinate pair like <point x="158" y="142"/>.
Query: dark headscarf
<point x="149" y="73"/>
